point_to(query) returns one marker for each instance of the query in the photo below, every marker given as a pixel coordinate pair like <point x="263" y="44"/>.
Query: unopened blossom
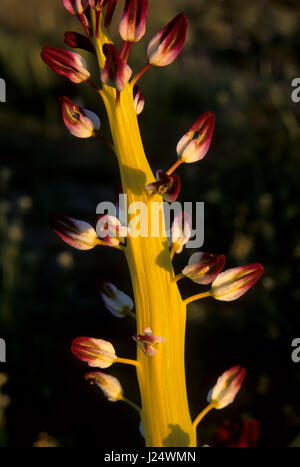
<point x="95" y="352"/>
<point x="139" y="100"/>
<point x="147" y="342"/>
<point x="231" y="284"/>
<point x="116" y="72"/>
<point x="110" y="385"/>
<point x="203" y="268"/>
<point x="74" y="232"/>
<point x="168" y="186"/>
<point x="164" y="48"/>
<point x="80" y="9"/>
<point x="133" y="23"/>
<point x="66" y="63"/>
<point x="195" y="144"/>
<point x="79" y="41"/>
<point x="227" y="387"/>
<point x="79" y="121"/>
<point x="75" y="7"/>
<point x="111" y="6"/>
<point x="110" y="230"/>
<point x="181" y="231"/>
<point x="117" y="302"/>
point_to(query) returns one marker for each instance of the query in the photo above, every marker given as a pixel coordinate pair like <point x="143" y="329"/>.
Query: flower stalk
<point x="160" y="311"/>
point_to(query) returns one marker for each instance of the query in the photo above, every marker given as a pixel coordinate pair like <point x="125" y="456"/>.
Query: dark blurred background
<point x="238" y="62"/>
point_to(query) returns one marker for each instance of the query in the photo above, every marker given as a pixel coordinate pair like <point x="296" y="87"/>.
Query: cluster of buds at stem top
<point x="168" y="186"/>
<point x="133" y="23"/>
<point x="80" y="122"/>
<point x="95" y="352"/>
<point x="66" y="63"/>
<point x="194" y="145"/>
<point x="116" y="301"/>
<point x="233" y="283"/>
<point x="227" y="387"/>
<point x="147" y="342"/>
<point x="180" y="232"/>
<point x="116" y="72"/>
<point x="110" y="385"/>
<point x="203" y="268"/>
<point x="164" y="48"/>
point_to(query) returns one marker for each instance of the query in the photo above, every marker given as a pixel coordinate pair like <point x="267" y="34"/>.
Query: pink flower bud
<point x="95" y="352"/>
<point x="231" y="284"/>
<point x="116" y="72"/>
<point x="78" y="234"/>
<point x="203" y="268"/>
<point x="147" y="342"/>
<point x="168" y="186"/>
<point x="181" y="231"/>
<point x="133" y="23"/>
<point x="194" y="145"/>
<point x="116" y="301"/>
<point x="79" y="121"/>
<point x="79" y="41"/>
<point x="164" y="48"/>
<point x="75" y="7"/>
<point x="227" y="387"/>
<point x="139" y="101"/>
<point x="69" y="64"/>
<point x="110" y="230"/>
<point x="110" y="385"/>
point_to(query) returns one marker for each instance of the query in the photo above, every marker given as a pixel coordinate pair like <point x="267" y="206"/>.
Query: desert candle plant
<point x="159" y="311"/>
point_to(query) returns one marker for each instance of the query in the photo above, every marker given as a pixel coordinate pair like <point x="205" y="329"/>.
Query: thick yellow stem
<point x="165" y="412"/>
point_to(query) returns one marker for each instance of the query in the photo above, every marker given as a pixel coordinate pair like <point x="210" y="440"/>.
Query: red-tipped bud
<point x="79" y="121"/>
<point x="231" y="284"/>
<point x="116" y="301"/>
<point x="168" y="186"/>
<point x="110" y="385"/>
<point x="181" y="231"/>
<point x="111" y="6"/>
<point x="133" y="23"/>
<point x="167" y="44"/>
<point x="95" y="352"/>
<point x="69" y="64"/>
<point x="78" y="234"/>
<point x="203" y="268"/>
<point x="75" y="7"/>
<point x="139" y="100"/>
<point x="194" y="145"/>
<point x="147" y="342"/>
<point x="79" y="41"/>
<point x="227" y="387"/>
<point x="116" y="72"/>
